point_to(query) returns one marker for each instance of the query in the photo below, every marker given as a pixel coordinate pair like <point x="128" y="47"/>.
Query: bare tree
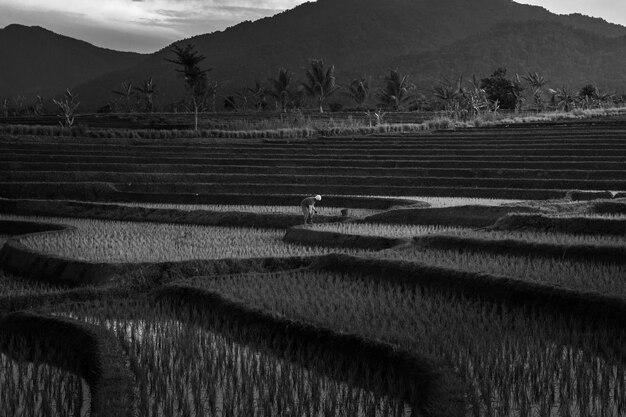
<point x="67" y="107"/>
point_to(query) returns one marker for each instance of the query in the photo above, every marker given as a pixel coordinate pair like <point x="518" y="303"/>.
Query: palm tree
<point x="563" y="97"/>
<point x="359" y="91"/>
<point x="281" y="89"/>
<point x="450" y="93"/>
<point x="397" y="90"/>
<point x="196" y="81"/>
<point x="320" y="82"/>
<point x="147" y="89"/>
<point x="536" y="81"/>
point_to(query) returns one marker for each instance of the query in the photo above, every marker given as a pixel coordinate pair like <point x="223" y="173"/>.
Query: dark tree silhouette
<point x="147" y="89"/>
<point x="501" y="91"/>
<point x="320" y="82"/>
<point x="281" y="88"/>
<point x="195" y="77"/>
<point x="258" y="94"/>
<point x="397" y="90"/>
<point x="359" y="91"/>
<point x="126" y="93"/>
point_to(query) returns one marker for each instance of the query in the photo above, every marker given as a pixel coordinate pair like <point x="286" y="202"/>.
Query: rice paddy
<point x="601" y="277"/>
<point x="184" y="369"/>
<point x="37" y="389"/>
<point x="248" y="208"/>
<point x="510" y="358"/>
<point x="107" y="241"/>
<point x="410" y="231"/>
<point x="12" y="285"/>
<point x="511" y="361"/>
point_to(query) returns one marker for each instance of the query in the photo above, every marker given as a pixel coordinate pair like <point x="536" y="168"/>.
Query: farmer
<point x="308" y="208"/>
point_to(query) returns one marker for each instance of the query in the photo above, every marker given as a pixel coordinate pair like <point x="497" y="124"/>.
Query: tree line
<point x="458" y="96"/>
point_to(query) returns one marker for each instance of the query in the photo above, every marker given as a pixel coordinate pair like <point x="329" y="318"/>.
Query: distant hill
<point x="425" y="37"/>
<point x="38" y="61"/>
<point x="565" y="55"/>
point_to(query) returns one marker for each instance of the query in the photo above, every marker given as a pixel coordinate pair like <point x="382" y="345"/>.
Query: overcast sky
<point x="149" y="25"/>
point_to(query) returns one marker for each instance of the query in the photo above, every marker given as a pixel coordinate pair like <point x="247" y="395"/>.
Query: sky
<point x="149" y="25"/>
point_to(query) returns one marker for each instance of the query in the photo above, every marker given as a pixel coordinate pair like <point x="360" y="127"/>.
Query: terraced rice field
<point x="458" y="322"/>
<point x="249" y="208"/>
<point x="411" y="231"/>
<point x="128" y="242"/>
<point x="492" y="163"/>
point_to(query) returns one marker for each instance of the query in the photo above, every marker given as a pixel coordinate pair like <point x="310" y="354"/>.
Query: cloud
<point x="610" y="10"/>
<point x="140" y="25"/>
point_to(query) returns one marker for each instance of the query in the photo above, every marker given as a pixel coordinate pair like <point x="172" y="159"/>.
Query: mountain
<point x="427" y="37"/>
<point x="38" y="61"/>
<point x="566" y="56"/>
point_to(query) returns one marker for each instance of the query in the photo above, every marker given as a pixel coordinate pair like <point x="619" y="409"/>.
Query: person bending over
<point x="308" y="208"/>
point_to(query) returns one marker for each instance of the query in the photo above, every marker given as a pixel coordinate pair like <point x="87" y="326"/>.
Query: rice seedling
<point x="182" y="370"/>
<point x="513" y="362"/>
<point x="409" y="231"/>
<point x="11" y="285"/>
<point x="111" y="241"/>
<point x="37" y="389"/>
<point x="437" y="202"/>
<point x="386" y="230"/>
<point x="604" y="278"/>
<point x="295" y="209"/>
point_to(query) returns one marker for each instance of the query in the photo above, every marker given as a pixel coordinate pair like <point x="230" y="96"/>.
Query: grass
<point x="513" y="362"/>
<point x="385" y="230"/>
<point x="37" y="389"/>
<point x="409" y="231"/>
<point x="249" y="208"/>
<point x="11" y="285"/>
<point x="182" y="369"/>
<point x="604" y="278"/>
<point x="111" y="241"/>
<point x="297" y="125"/>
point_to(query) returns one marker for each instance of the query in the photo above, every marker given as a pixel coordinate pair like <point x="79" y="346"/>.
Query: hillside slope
<point x="38" y="61"/>
<point x="564" y="55"/>
<point x="426" y="37"/>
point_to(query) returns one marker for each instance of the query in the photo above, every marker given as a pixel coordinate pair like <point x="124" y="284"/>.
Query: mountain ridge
<point x="41" y="62"/>
<point x="367" y="37"/>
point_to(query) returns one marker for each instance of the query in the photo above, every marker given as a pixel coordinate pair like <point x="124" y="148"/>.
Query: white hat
<point x="318" y="197"/>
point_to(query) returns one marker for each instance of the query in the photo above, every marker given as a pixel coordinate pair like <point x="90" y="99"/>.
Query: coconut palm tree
<point x="195" y="78"/>
<point x="359" y="91"/>
<point x="536" y="81"/>
<point x="397" y="90"/>
<point x="281" y="88"/>
<point x="450" y="93"/>
<point x="320" y="82"/>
